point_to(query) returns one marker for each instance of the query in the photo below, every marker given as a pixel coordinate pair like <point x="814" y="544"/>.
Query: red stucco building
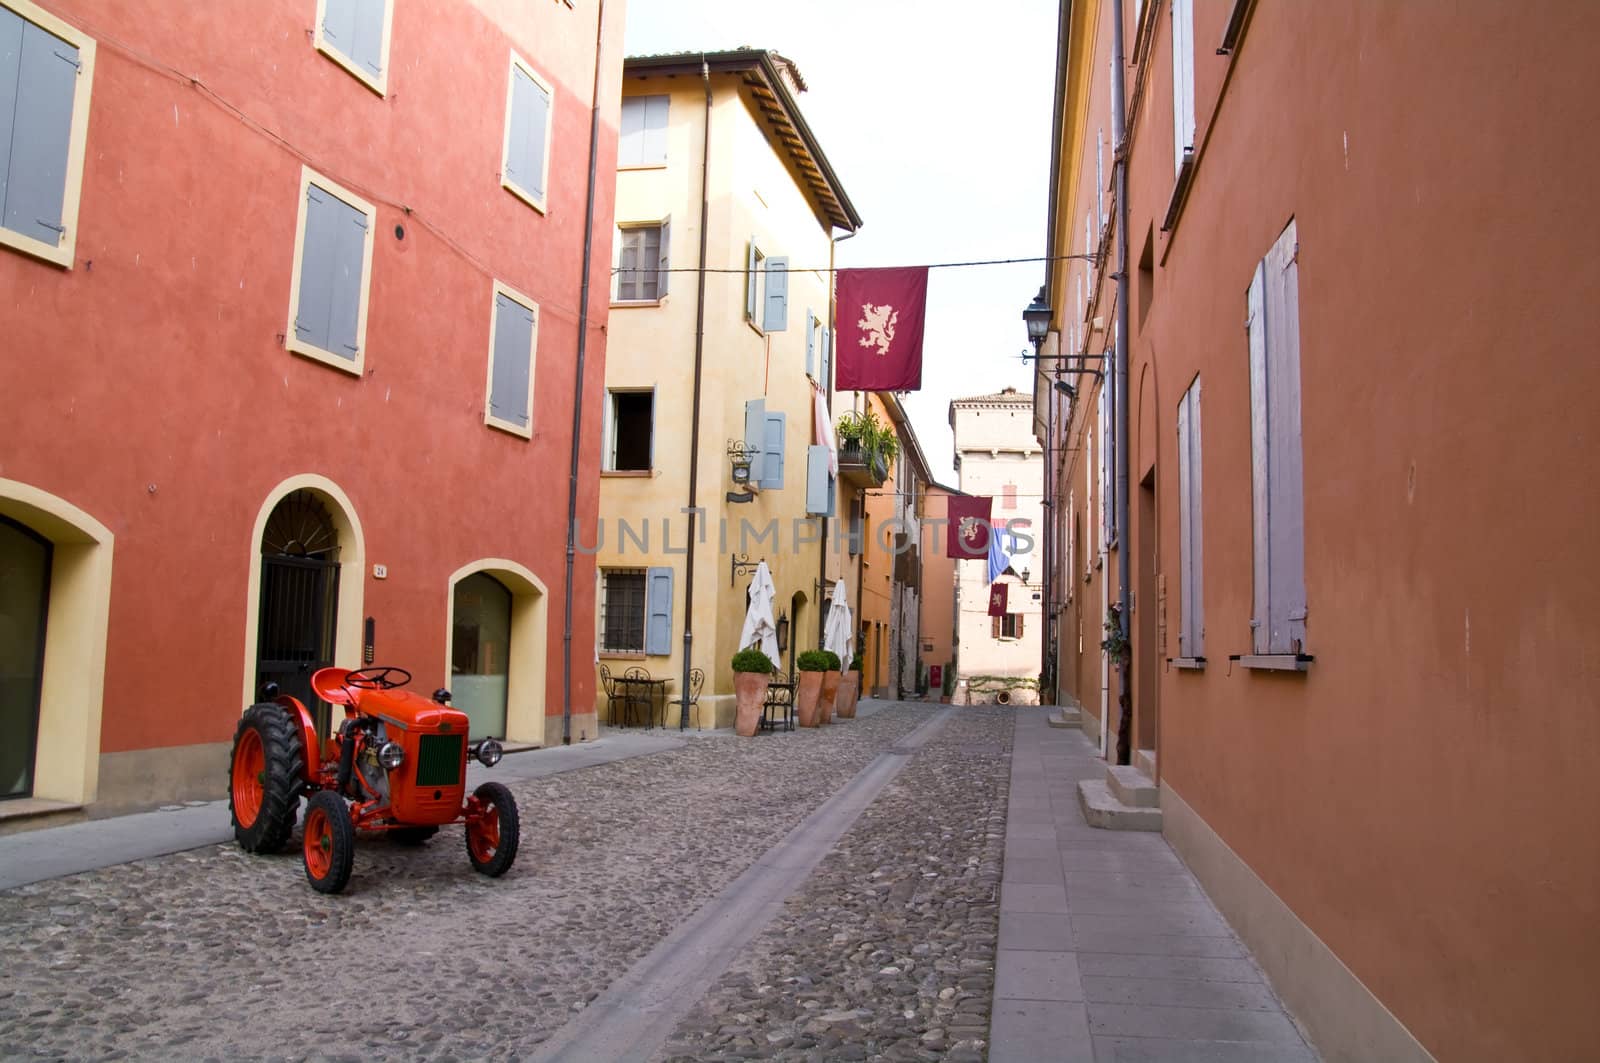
<point x="290" y="320"/>
<point x="1359" y="323"/>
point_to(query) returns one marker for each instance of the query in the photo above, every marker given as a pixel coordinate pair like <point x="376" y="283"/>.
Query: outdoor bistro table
<point x="780" y="697"/>
<point x="644" y="690"/>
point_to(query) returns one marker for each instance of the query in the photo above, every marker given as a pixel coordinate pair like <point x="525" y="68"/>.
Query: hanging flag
<point x="968" y="533"/>
<point x="1000" y="546"/>
<point x="879" y="335"/>
<point x="997" y="599"/>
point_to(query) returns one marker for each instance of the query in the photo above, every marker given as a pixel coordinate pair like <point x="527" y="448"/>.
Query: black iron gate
<point x="299" y="609"/>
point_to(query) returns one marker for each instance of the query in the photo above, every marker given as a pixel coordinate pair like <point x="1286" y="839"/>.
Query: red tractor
<point x="398" y="764"/>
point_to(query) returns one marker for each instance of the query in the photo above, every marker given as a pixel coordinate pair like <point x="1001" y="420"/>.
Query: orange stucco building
<point x="290" y="362"/>
<point x="1358" y="551"/>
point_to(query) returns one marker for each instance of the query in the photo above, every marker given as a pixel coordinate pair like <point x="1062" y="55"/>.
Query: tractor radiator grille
<point x="439" y="760"/>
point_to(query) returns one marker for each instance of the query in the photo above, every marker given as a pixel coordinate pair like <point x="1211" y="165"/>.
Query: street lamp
<point x="1038" y="318"/>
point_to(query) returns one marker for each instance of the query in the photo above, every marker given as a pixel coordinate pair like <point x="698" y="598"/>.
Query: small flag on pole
<point x="967" y="536"/>
<point x="881" y="314"/>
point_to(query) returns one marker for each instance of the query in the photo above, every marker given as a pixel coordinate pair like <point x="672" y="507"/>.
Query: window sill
<point x="1274" y="662"/>
<point x="620" y="655"/>
<point x="1180" y="191"/>
<point x="642" y="166"/>
<point x="757" y="329"/>
<point x="627" y="304"/>
<point x="510" y="428"/>
<point x="1188" y="664"/>
<point x="354" y="365"/>
<point x="624" y="474"/>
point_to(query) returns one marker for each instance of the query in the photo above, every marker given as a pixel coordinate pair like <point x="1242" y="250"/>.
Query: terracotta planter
<point x="750" y="688"/>
<point x="808" y="699"/>
<point x="830" y="694"/>
<point x="849" y="691"/>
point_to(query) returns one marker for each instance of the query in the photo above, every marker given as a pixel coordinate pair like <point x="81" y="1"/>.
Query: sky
<point x="936" y="117"/>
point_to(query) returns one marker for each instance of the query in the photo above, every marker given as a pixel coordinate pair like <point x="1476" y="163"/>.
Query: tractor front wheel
<point x="492" y="829"/>
<point x="264" y="778"/>
<point x="330" y="842"/>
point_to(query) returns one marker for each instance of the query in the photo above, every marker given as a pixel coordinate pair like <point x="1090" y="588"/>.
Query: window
<point x="622" y="611"/>
<point x="1191" y="625"/>
<point x="643" y="140"/>
<point x="46" y="69"/>
<point x="636" y="611"/>
<point x="332" y="274"/>
<point x="1273" y="324"/>
<point x="355" y="34"/>
<point x="630" y="436"/>
<point x="855" y="537"/>
<point x="766" y="290"/>
<point x="529" y="103"/>
<point x="1008" y="496"/>
<point x="642" y="252"/>
<point x="1008" y="626"/>
<point x="513" y="338"/>
<point x="1182" y="80"/>
<point x="765" y="436"/>
<point x="1100" y="177"/>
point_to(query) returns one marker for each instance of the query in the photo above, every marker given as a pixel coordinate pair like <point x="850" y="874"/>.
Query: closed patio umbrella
<point x="759" y="629"/>
<point x="839" y="634"/>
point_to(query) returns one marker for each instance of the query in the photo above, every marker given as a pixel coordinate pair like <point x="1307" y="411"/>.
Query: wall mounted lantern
<point x="783" y="631"/>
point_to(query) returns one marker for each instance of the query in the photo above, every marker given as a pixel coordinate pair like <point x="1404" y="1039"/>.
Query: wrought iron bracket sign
<point x="740" y="565"/>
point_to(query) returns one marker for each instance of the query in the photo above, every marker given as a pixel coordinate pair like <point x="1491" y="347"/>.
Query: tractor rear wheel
<point x="412" y="836"/>
<point x="264" y="778"/>
<point x="493" y="830"/>
<point x="330" y="842"/>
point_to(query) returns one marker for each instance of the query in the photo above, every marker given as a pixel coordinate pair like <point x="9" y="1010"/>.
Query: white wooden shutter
<point x="1260" y="468"/>
<point x="1286" y="493"/>
<point x="772" y="452"/>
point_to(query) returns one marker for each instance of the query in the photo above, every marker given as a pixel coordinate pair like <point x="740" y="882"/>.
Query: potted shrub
<point x="808" y="694"/>
<point x="830" y="686"/>
<point x="849" y="690"/>
<point x="948" y="687"/>
<point x="752" y="671"/>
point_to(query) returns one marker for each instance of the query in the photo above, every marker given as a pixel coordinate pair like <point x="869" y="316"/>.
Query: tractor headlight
<point x="490" y="752"/>
<point x="391" y="755"/>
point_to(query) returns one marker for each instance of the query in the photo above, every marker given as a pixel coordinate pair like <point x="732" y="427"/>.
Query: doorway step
<point x="1065" y="716"/>
<point x="1126" y="799"/>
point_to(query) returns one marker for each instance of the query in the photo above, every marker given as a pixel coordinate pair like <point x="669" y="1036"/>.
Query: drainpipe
<point x="827" y="387"/>
<point x="694" y="421"/>
<point x="1121" y="449"/>
<point x="1046" y="651"/>
<point x="577" y="393"/>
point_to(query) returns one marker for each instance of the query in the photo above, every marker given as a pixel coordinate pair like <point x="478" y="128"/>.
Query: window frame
<point x="603" y="610"/>
<point x="755" y="291"/>
<point x="662" y="165"/>
<point x="663" y="235"/>
<point x="608" y="452"/>
<point x="538" y="203"/>
<point x="62" y="254"/>
<point x="1191" y="522"/>
<point x="356" y="366"/>
<point x="379" y="84"/>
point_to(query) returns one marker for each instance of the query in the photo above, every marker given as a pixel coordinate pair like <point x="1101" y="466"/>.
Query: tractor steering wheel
<point x="379" y="678"/>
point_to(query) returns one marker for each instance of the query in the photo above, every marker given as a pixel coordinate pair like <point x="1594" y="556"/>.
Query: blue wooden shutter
<point x="314" y="308"/>
<point x="630" y="139"/>
<point x="1191" y="632"/>
<point x="819" y="482"/>
<point x="1285" y="497"/>
<point x="339" y="25"/>
<point x="519" y="138"/>
<point x="811" y="342"/>
<point x="755" y="432"/>
<point x="658" y="611"/>
<point x="41" y="126"/>
<point x="772" y="448"/>
<point x="368" y="43"/>
<point x="538" y="122"/>
<point x="752" y="280"/>
<point x="827" y="359"/>
<point x="349" y="260"/>
<point x="628" y="278"/>
<point x="776" y="316"/>
<point x="653" y="146"/>
<point x="10" y="70"/>
<point x="513" y="355"/>
<point x="1260" y="470"/>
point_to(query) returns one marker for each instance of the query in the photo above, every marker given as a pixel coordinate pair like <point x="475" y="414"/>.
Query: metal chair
<point x="609" y="685"/>
<point x="636" y="684"/>
<point x="697" y="681"/>
<point x="779" y="704"/>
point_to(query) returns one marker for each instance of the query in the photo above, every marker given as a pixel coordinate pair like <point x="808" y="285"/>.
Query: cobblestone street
<point x="823" y="894"/>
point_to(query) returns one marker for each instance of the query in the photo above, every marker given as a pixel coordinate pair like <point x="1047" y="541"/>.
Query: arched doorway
<point x="25" y="558"/>
<point x="299" y="600"/>
<point x="480" y="653"/>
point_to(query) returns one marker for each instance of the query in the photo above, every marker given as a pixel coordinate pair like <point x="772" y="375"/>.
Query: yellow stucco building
<point x="719" y="338"/>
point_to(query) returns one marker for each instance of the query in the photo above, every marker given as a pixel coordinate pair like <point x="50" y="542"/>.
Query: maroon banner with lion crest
<point x="967" y="537"/>
<point x="879" y="333"/>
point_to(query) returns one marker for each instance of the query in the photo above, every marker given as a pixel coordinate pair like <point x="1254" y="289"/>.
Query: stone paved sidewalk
<point x="1109" y="949"/>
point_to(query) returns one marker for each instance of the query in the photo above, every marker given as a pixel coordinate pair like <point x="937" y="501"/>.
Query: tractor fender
<point x="308" y="735"/>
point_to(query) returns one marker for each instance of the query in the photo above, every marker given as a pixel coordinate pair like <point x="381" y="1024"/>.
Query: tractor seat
<point x="329" y="684"/>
